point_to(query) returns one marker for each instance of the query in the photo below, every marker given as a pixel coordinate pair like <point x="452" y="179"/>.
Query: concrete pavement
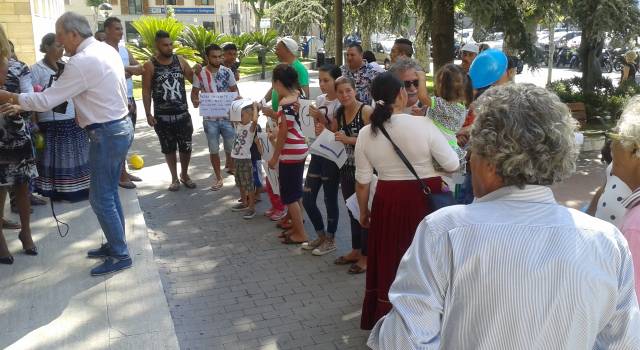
<point x="51" y="302"/>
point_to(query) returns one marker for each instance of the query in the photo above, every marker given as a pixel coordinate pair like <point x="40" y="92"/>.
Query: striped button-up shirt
<point x="513" y="270"/>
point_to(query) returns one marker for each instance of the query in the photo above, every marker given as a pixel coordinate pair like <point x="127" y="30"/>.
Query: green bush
<point x="605" y="100"/>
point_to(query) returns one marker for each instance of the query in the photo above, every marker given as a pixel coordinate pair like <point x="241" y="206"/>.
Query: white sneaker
<point x="326" y="247"/>
<point x="313" y="244"/>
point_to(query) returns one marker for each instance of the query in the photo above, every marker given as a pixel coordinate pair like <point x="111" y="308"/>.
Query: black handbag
<point x="435" y="200"/>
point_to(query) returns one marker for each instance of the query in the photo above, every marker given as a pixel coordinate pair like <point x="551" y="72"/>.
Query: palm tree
<point x="242" y="42"/>
<point x="147" y="28"/>
<point x="263" y="43"/>
<point x="198" y="37"/>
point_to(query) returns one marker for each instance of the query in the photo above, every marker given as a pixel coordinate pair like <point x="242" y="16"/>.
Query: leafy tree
<point x="148" y="26"/>
<point x="296" y="16"/>
<point x="596" y="18"/>
<point x="259" y="9"/>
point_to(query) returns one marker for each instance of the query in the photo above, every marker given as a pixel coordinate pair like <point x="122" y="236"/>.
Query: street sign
<point x="265" y="23"/>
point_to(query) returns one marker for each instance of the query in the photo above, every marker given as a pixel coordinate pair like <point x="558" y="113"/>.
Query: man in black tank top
<point x="163" y="82"/>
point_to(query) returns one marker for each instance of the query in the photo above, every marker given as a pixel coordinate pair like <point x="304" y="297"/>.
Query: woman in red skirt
<point x="399" y="203"/>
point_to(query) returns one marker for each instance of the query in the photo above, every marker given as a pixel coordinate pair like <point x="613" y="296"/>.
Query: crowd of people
<point x="461" y="240"/>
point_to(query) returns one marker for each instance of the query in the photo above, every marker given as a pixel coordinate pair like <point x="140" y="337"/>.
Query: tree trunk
<point x="552" y="49"/>
<point x="442" y="28"/>
<point x="366" y="38"/>
<point x="337" y="6"/>
<point x="422" y="49"/>
<point x="590" y="48"/>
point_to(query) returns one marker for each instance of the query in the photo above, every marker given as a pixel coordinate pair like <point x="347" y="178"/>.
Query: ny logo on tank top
<point x="171" y="87"/>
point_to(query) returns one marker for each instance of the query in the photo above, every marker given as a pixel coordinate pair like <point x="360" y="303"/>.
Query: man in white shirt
<point x="94" y="78"/>
<point x="514" y="270"/>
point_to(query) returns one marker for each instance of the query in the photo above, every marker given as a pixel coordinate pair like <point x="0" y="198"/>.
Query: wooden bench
<point x="579" y="112"/>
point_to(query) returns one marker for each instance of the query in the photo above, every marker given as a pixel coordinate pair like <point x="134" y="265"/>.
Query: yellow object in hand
<point x="38" y="141"/>
<point x="136" y="162"/>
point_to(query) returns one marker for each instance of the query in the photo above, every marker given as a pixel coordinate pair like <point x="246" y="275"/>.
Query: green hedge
<point x="605" y="100"/>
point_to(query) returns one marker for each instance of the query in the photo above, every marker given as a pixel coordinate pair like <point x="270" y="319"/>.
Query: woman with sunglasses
<point x="63" y="163"/>
<point x="323" y="172"/>
<point x="352" y="116"/>
<point x="625" y="150"/>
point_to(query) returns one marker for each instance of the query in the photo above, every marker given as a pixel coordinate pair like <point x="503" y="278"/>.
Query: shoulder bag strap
<point x="406" y="162"/>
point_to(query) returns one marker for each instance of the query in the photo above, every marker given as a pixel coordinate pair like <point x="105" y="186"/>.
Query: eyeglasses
<point x="618" y="137"/>
<point x="408" y="83"/>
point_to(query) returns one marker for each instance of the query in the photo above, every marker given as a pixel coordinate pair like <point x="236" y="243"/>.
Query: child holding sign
<point x="241" y="153"/>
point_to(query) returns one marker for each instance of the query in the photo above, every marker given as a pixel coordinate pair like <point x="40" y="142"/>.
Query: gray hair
<point x="73" y="22"/>
<point x="629" y="125"/>
<point x="527" y="133"/>
<point x="404" y="65"/>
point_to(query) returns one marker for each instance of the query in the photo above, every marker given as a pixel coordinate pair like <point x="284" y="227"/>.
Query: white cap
<point x="470" y="47"/>
<point x="291" y="45"/>
<point x="235" y="113"/>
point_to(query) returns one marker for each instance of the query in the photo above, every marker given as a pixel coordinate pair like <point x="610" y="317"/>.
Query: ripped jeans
<point x="322" y="173"/>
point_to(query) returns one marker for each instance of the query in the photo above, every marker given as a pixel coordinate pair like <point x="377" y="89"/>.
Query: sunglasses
<point x="408" y="83"/>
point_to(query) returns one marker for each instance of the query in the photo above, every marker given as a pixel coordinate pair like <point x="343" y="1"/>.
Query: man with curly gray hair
<point x="514" y="269"/>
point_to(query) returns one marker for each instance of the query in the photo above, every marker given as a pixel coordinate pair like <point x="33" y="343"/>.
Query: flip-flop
<point x="127" y="184"/>
<point x="356" y="270"/>
<point x="344" y="261"/>
<point x="188" y="183"/>
<point x="217" y="186"/>
<point x="175" y="186"/>
<point x="288" y="240"/>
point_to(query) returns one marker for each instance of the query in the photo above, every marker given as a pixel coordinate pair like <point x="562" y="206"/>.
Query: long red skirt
<point x="397" y="209"/>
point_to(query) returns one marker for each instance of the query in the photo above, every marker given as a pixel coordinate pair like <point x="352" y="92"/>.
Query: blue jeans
<point x="322" y="173"/>
<point x="107" y="150"/>
<point x="216" y="128"/>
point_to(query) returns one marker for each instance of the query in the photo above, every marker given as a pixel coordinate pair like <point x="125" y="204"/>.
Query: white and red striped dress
<point x="295" y="148"/>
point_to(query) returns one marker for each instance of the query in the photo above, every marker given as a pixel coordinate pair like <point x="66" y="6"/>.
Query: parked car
<point x="382" y="51"/>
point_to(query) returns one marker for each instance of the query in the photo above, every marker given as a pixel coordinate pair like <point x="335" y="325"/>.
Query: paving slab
<point x="51" y="302"/>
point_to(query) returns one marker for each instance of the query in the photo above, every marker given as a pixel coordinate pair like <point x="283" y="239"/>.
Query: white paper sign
<point x="326" y="146"/>
<point x="352" y="202"/>
<point x="235" y="112"/>
<point x="216" y="104"/>
<point x="306" y="120"/>
<point x="267" y="154"/>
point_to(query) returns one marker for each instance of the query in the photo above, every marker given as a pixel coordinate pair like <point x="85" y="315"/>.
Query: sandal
<point x="356" y="270"/>
<point x="127" y="184"/>
<point x="344" y="261"/>
<point x="175" y="186"/>
<point x="188" y="183"/>
<point x="285" y="224"/>
<point x="288" y="240"/>
<point x="284" y="234"/>
<point x="217" y="186"/>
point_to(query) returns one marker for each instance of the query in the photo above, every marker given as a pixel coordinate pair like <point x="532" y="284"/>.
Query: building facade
<point x="27" y="21"/>
<point x="223" y="16"/>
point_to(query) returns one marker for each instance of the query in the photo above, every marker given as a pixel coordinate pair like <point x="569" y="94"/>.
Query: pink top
<point x="631" y="230"/>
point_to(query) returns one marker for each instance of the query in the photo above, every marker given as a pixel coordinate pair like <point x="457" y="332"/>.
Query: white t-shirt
<point x="418" y="139"/>
<point x="610" y="206"/>
<point x="242" y="144"/>
<point x="329" y="107"/>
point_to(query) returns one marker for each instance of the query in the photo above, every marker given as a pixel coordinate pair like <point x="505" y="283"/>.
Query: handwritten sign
<point x="352" y="202"/>
<point x="327" y="147"/>
<point x="216" y="104"/>
<point x="306" y="120"/>
<point x="235" y="112"/>
<point x="267" y="154"/>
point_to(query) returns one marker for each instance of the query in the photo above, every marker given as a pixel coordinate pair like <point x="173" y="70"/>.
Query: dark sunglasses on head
<point x="408" y="83"/>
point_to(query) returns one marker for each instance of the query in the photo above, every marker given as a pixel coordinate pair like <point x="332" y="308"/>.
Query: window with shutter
<point x="124" y="7"/>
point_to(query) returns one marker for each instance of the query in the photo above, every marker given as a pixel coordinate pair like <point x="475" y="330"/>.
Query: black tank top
<point x="168" y="92"/>
<point x="352" y="129"/>
<point x="632" y="71"/>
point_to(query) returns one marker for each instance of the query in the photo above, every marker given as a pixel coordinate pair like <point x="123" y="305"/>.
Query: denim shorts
<point x="214" y="129"/>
